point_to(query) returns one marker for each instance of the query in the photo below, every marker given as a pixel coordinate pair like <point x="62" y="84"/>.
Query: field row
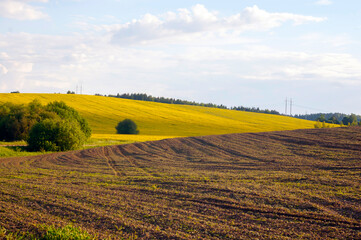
<point x="282" y="185"/>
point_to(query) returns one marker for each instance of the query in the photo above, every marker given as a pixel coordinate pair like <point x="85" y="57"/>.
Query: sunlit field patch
<point x="129" y="137"/>
<point x="157" y="119"/>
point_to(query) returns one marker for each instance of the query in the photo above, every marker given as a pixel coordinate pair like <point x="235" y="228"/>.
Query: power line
<point x="310" y="108"/>
<point x="290" y="104"/>
<point x="291" y="107"/>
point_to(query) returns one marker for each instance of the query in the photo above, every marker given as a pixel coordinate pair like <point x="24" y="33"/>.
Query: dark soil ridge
<point x="272" y="185"/>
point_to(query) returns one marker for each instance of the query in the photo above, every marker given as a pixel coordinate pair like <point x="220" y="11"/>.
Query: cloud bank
<point x="200" y="20"/>
<point x="323" y="2"/>
<point x="186" y="53"/>
<point x="21" y="10"/>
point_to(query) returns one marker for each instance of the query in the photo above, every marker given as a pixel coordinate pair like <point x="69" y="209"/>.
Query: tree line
<point x="150" y="98"/>
<point x="53" y="127"/>
<point x="335" y="118"/>
<point x="257" y="110"/>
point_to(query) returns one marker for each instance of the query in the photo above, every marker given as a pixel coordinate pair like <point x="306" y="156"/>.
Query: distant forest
<point x="145" y="97"/>
<point x="317" y="116"/>
<point x="336" y="118"/>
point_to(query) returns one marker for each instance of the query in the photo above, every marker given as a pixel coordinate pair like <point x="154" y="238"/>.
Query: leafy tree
<point x="353" y="119"/>
<point x="350" y="120"/>
<point x="321" y="125"/>
<point x="333" y="120"/>
<point x="54" y="127"/>
<point x="60" y="135"/>
<point x="67" y="131"/>
<point x="16" y="120"/>
<point x="127" y="126"/>
<point x="66" y="112"/>
<point x="321" y="118"/>
<point x="315" y="116"/>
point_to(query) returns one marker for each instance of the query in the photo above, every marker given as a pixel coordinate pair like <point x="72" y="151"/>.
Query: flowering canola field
<point x="157" y="120"/>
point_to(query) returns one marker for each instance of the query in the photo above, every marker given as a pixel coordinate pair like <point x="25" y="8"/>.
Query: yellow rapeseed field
<point x="157" y="120"/>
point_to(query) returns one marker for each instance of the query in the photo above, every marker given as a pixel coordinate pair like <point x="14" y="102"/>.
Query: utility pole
<point x="291" y="107"/>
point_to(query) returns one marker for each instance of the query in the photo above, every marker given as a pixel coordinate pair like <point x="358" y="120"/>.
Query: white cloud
<point x="322" y="40"/>
<point x="323" y="2"/>
<point x="186" y="22"/>
<point x="23" y="67"/>
<point x="58" y="63"/>
<point x="298" y="66"/>
<point x="209" y="52"/>
<point x="21" y="10"/>
<point x="256" y="62"/>
<point x="3" y="69"/>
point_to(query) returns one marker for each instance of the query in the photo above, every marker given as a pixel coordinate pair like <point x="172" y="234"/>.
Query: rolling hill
<point x="301" y="184"/>
<point x="157" y="120"/>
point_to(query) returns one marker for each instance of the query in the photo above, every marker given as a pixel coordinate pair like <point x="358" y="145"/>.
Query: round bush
<point x="127" y="126"/>
<point x="66" y="112"/>
<point x="50" y="135"/>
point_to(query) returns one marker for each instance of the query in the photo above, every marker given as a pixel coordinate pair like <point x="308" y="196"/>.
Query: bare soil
<point x="303" y="184"/>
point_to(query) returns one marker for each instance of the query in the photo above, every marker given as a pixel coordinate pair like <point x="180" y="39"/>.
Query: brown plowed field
<point x="303" y="184"/>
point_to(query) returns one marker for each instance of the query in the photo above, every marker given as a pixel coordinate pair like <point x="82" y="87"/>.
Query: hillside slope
<point x="103" y="114"/>
<point x="278" y="185"/>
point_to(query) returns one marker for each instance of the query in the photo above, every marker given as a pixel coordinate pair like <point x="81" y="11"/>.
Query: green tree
<point x="321" y="118"/>
<point x="127" y="126"/>
<point x="16" y="120"/>
<point x="333" y="120"/>
<point x="55" y="135"/>
<point x="350" y="120"/>
<point x="54" y="127"/>
<point x="66" y="112"/>
<point x="321" y="125"/>
<point x="353" y="120"/>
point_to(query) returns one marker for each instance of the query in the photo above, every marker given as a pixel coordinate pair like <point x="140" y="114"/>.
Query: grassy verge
<point x="18" y="149"/>
<point x="46" y="232"/>
<point x="17" y="143"/>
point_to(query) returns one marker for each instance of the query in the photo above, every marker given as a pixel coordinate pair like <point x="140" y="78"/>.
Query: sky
<point x="236" y="53"/>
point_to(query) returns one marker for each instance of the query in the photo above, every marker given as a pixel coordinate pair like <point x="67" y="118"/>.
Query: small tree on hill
<point x="127" y="126"/>
<point x="54" y="127"/>
<point x="16" y="120"/>
<point x="50" y="135"/>
<point x="66" y="112"/>
<point x="350" y="120"/>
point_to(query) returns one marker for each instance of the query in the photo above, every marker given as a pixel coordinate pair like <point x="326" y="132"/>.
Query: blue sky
<point x="250" y="53"/>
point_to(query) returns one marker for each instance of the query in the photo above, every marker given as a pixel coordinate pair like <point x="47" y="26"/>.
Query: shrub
<point x="321" y="125"/>
<point x="54" y="127"/>
<point x="127" y="126"/>
<point x="318" y="125"/>
<point x="50" y="135"/>
<point x="16" y="121"/>
<point x="66" y="112"/>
